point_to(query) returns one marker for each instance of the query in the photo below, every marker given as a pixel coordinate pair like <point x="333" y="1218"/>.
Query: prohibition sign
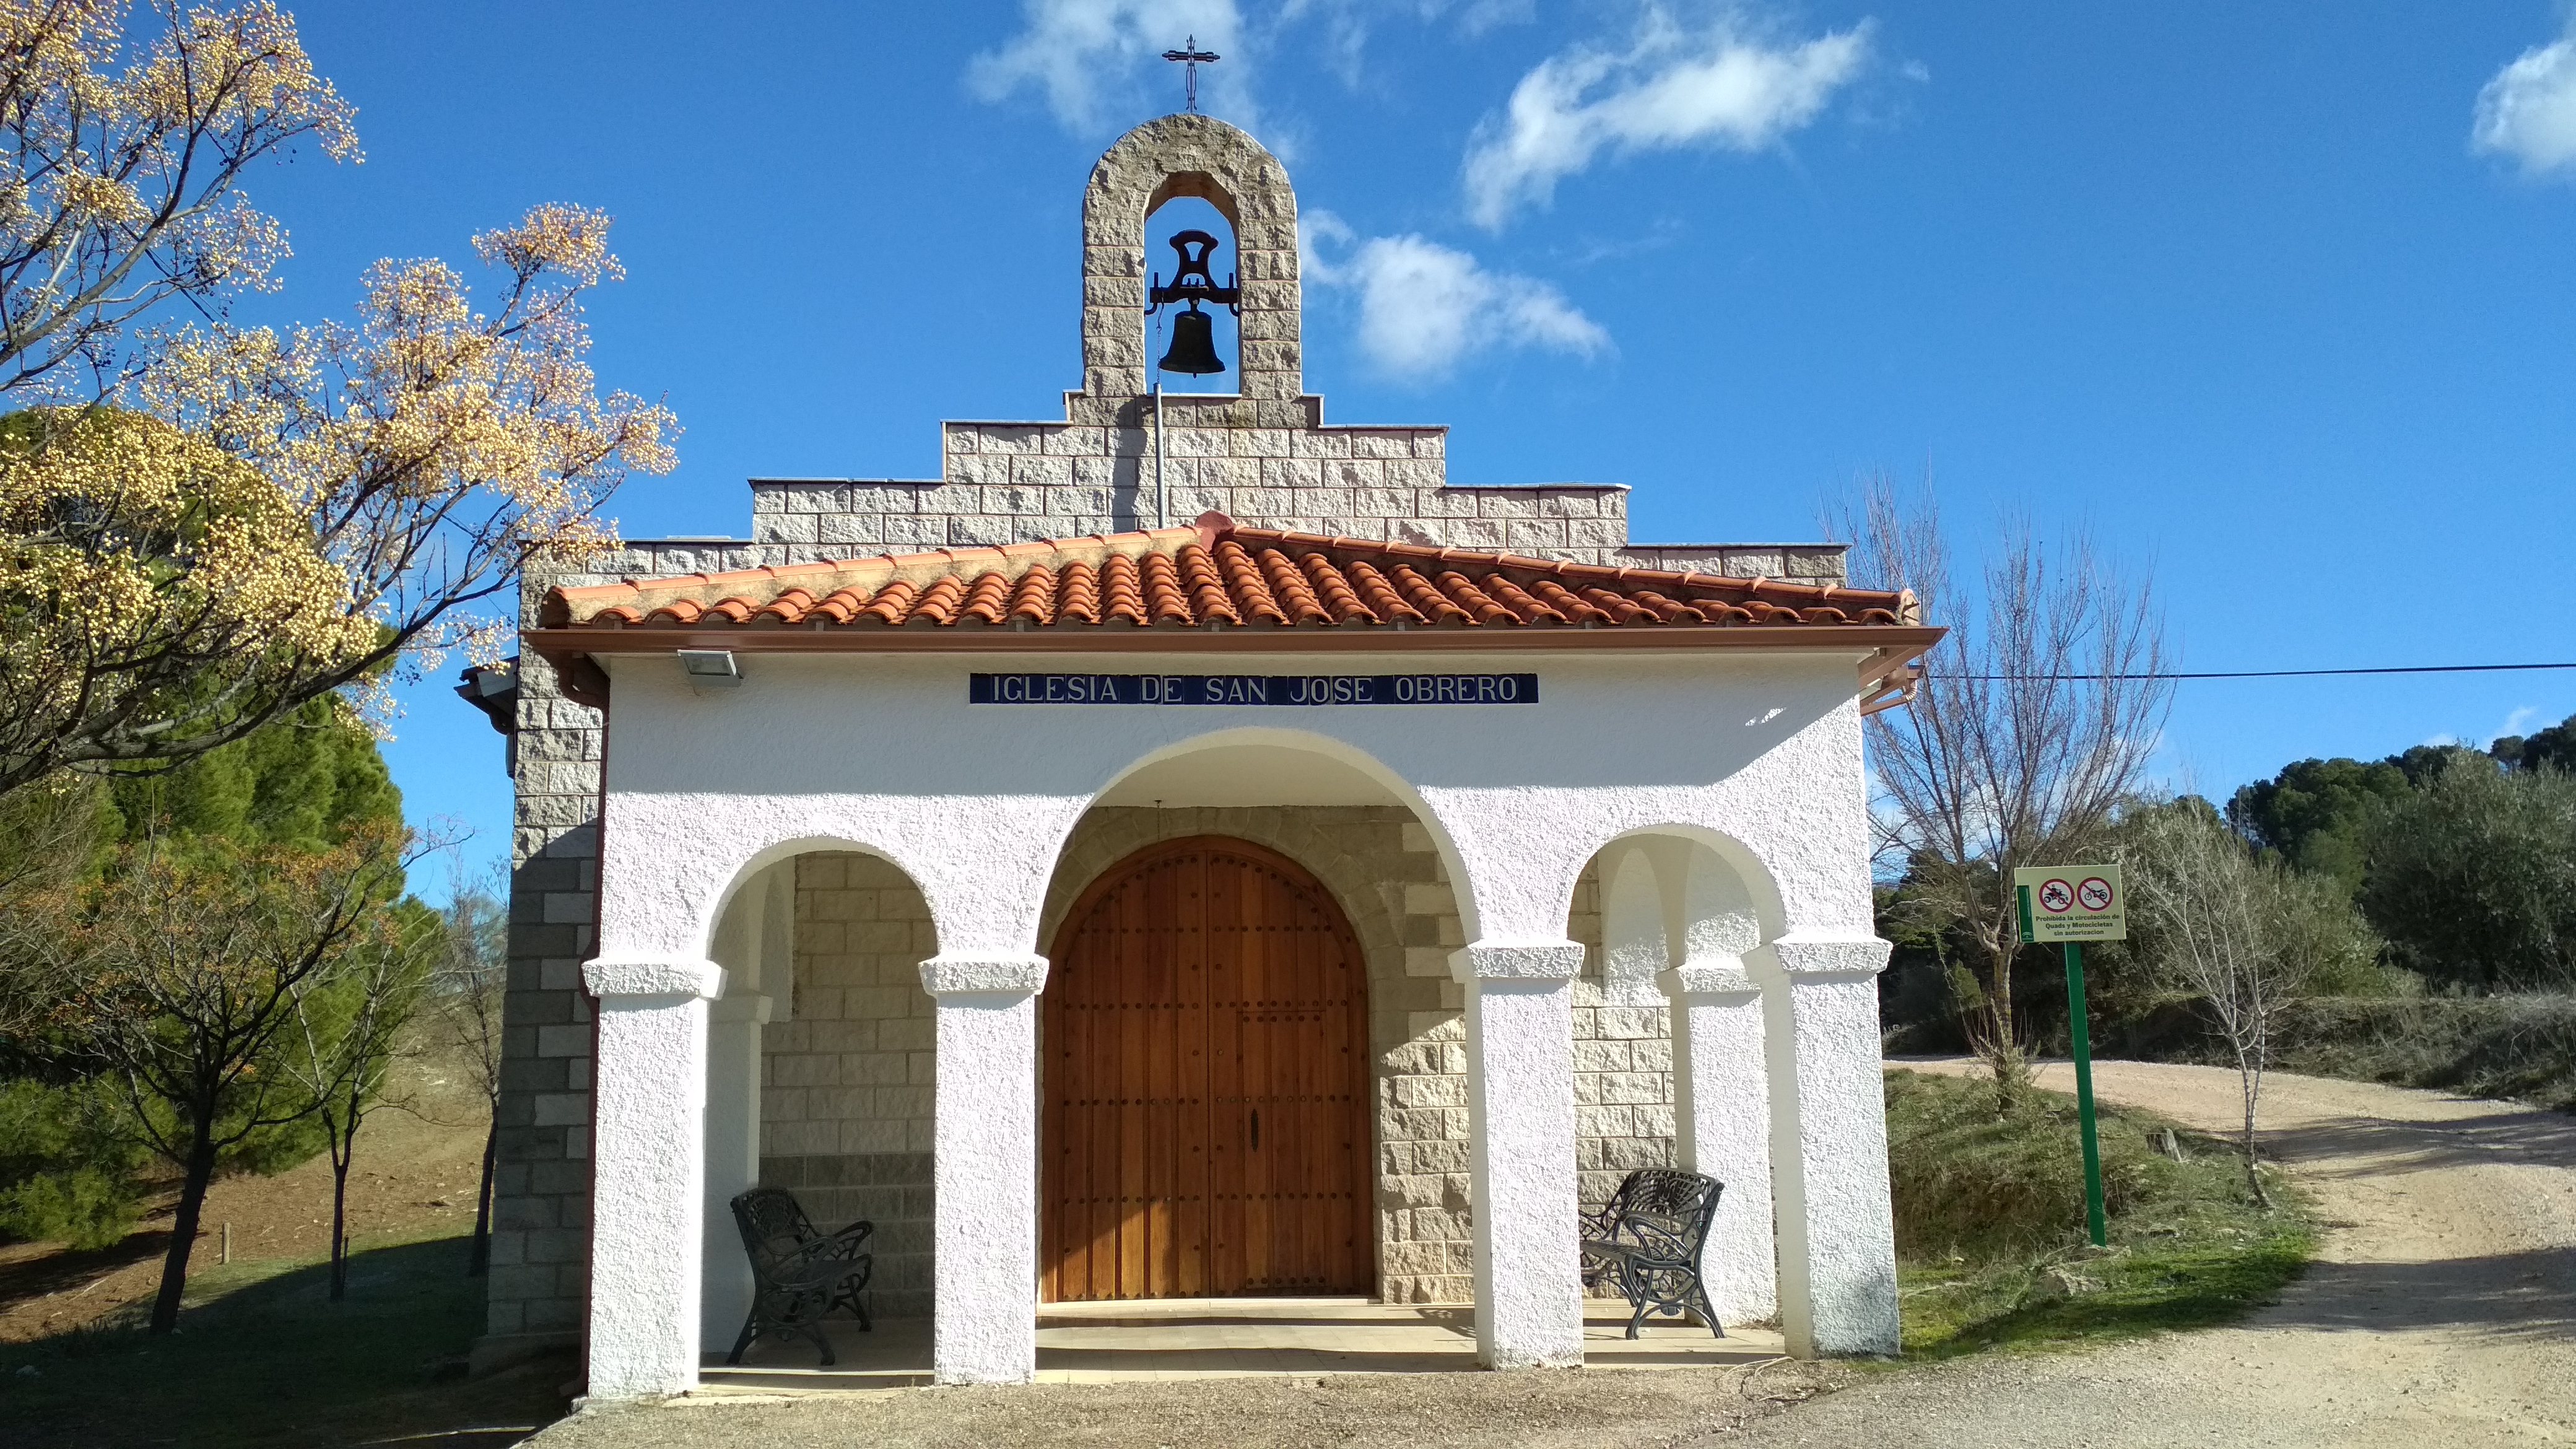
<point x="2094" y="893"/>
<point x="2054" y="897"/>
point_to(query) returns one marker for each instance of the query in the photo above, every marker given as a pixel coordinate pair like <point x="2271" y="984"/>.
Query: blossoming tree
<point x="202" y="528"/>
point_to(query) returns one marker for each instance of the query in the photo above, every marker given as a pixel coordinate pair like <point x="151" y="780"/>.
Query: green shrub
<point x="2521" y="1047"/>
<point x="85" y="1207"/>
<point x="1978" y="1178"/>
<point x="1988" y="1196"/>
<point x="67" y="1169"/>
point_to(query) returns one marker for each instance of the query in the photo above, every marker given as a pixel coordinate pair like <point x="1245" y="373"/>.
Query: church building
<point x="1188" y="849"/>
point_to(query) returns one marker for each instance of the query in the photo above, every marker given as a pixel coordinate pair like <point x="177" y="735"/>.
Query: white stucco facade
<point x="1772" y="977"/>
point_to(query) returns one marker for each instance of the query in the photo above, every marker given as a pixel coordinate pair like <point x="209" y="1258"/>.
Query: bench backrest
<point x="773" y="1224"/>
<point x="1677" y="1203"/>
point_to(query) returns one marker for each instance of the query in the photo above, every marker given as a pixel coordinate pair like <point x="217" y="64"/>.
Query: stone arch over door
<point x="1205" y="1129"/>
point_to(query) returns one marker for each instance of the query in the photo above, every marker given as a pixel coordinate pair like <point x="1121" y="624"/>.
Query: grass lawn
<point x="263" y="1357"/>
<point x="1989" y="1199"/>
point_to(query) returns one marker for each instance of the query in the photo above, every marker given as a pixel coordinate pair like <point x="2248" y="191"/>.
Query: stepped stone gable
<point x="1264" y="457"/>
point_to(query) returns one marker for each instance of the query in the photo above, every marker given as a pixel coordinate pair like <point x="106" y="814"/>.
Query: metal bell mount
<point x="1193" y="348"/>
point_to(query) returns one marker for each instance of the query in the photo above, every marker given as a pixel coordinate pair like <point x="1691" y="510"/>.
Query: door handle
<point x="1256" y="1129"/>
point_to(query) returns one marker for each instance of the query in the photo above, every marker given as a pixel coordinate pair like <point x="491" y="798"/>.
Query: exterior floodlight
<point x="711" y="668"/>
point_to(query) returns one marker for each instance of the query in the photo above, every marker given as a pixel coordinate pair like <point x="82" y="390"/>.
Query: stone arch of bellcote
<point x="1176" y="156"/>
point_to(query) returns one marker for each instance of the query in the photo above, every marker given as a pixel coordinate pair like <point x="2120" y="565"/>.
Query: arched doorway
<point x="1206" y="1064"/>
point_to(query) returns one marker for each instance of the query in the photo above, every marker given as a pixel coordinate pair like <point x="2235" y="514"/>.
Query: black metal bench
<point x="800" y="1276"/>
<point x="1647" y="1243"/>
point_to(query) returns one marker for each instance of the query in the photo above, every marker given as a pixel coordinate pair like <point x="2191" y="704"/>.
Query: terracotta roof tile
<point x="1214" y="573"/>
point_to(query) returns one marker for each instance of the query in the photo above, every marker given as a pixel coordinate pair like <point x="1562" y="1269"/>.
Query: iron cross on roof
<point x="1190" y="55"/>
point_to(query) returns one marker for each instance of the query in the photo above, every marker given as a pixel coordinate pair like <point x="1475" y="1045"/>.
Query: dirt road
<point x="2441" y="1311"/>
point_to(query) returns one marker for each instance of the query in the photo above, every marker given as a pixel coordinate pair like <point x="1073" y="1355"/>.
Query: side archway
<point x="821" y="1066"/>
<point x="1673" y="1004"/>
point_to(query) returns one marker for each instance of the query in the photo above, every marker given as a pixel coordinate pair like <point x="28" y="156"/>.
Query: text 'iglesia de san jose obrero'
<point x="1329" y="894"/>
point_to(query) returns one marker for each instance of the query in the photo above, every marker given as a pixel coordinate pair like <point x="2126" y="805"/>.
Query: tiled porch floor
<point x="1180" y="1338"/>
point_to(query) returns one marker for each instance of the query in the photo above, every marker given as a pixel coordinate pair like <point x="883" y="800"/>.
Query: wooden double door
<point x="1206" y="1074"/>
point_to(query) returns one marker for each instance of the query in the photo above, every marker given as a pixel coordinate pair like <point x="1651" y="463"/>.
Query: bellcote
<point x="1162" y="160"/>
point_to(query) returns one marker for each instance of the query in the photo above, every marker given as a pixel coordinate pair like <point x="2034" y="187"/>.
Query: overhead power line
<point x="2261" y="673"/>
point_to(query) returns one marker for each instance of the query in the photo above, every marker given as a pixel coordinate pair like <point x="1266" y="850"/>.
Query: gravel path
<point x="1630" y="1408"/>
<point x="2441" y="1310"/>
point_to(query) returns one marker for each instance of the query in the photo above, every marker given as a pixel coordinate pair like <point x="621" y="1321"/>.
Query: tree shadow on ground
<point x="2528" y="1295"/>
<point x="271" y="1360"/>
<point x="2341" y="1147"/>
<point x="68" y="1270"/>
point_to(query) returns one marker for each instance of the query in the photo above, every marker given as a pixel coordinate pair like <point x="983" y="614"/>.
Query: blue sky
<point x="2281" y="303"/>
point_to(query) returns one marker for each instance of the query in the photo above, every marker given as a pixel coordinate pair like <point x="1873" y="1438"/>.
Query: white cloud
<point x="2528" y="111"/>
<point x="1087" y="57"/>
<point x="1720" y="86"/>
<point x="1424" y="308"/>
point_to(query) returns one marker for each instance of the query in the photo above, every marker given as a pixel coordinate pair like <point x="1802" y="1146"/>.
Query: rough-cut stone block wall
<point x="847" y="1076"/>
<point x="1623" y="1064"/>
<point x="1009" y="482"/>
<point x="1807" y="563"/>
<point x="541" y="1179"/>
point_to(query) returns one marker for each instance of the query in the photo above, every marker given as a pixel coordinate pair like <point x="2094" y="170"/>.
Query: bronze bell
<point x="1193" y="344"/>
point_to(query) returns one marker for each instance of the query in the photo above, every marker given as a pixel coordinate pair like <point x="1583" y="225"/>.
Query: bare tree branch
<point x="2003" y="760"/>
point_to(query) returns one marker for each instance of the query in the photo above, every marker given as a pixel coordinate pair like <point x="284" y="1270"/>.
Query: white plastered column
<point x="753" y="945"/>
<point x="649" y="1094"/>
<point x="1837" y="1237"/>
<point x="1520" y="1104"/>
<point x="733" y="1162"/>
<point x="1721" y="1082"/>
<point x="985" y="1179"/>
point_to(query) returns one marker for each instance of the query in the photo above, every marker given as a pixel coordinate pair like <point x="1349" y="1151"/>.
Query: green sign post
<point x="2073" y="904"/>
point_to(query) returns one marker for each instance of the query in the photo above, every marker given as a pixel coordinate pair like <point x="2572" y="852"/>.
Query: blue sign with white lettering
<point x="1252" y="689"/>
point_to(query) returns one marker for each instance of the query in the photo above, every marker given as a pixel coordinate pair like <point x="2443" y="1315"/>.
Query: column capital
<point x="1516" y="961"/>
<point x="1720" y="976"/>
<point x="1803" y="957"/>
<point x="946" y="975"/>
<point x="680" y="976"/>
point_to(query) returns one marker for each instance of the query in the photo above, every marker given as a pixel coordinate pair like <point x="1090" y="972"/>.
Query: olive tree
<point x="2472" y="877"/>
